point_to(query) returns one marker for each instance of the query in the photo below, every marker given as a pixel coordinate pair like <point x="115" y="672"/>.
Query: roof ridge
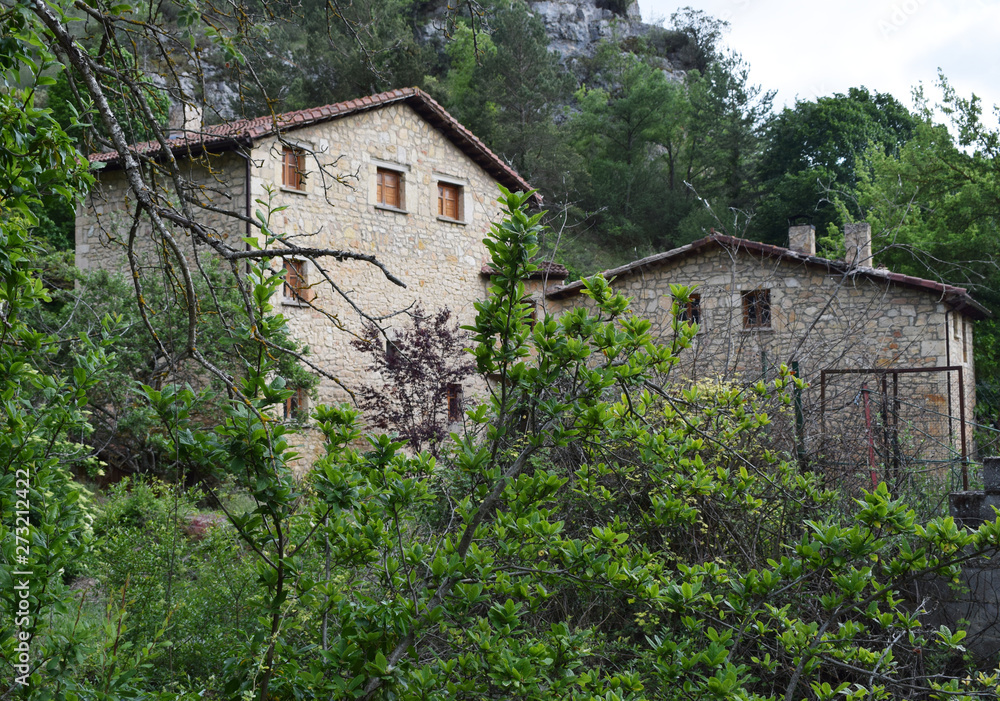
<point x="228" y="134"/>
<point x="964" y="299"/>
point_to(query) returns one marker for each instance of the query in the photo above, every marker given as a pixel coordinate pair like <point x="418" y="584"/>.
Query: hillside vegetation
<point x="590" y="532"/>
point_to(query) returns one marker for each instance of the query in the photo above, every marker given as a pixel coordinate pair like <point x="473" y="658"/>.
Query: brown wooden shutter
<point x="448" y="201"/>
<point x="388" y="192"/>
<point x="293" y="161"/>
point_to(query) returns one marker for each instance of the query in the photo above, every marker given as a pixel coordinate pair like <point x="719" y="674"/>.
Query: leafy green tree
<point x="597" y="536"/>
<point x="658" y="151"/>
<point x="933" y="206"/>
<point x="703" y="33"/>
<point x="44" y="514"/>
<point x="618" y="132"/>
<point x="315" y="53"/>
<point x="726" y="127"/>
<point x="509" y="89"/>
<point x="816" y="154"/>
<point x="122" y="425"/>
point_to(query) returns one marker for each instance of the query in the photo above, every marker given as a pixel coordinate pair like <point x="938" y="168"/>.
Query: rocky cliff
<point x="575" y="27"/>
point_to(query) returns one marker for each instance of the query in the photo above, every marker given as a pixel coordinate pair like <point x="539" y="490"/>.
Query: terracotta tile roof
<point x="958" y="297"/>
<point x="223" y="137"/>
<point x="547" y="270"/>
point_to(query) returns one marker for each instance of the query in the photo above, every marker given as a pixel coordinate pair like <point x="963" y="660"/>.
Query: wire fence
<point x="908" y="430"/>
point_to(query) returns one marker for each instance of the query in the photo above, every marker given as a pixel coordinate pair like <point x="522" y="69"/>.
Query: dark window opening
<point x="691" y="311"/>
<point x="757" y="309"/>
<point x="392" y="353"/>
<point x="454" y="402"/>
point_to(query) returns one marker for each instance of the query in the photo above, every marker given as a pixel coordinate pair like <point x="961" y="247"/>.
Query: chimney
<point x="858" y="245"/>
<point x="802" y="239"/>
<point x="185" y="120"/>
<point x="192" y="118"/>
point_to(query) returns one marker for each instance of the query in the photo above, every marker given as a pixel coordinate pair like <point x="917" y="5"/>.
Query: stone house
<point x="871" y="343"/>
<point x="396" y="176"/>
<point x="392" y="175"/>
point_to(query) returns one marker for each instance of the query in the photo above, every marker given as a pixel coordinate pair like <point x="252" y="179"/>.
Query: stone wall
<point x="820" y="320"/>
<point x="438" y="259"/>
<point x="103" y="219"/>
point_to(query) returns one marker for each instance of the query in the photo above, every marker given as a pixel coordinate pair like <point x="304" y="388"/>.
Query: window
<point x="296" y="287"/>
<point x="388" y="188"/>
<point x="532" y="317"/>
<point x="454" y="402"/>
<point x="293" y="168"/>
<point x="957" y="323"/>
<point x="295" y="406"/>
<point x="691" y="310"/>
<point x="965" y="343"/>
<point x="449" y="201"/>
<point x="392" y="352"/>
<point x="757" y="309"/>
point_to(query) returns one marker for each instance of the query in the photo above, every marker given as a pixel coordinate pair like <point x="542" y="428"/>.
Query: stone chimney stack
<point x="858" y="243"/>
<point x="184" y="120"/>
<point x="192" y="118"/>
<point x="802" y="239"/>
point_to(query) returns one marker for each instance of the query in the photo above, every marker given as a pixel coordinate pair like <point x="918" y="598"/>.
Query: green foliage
<point x="190" y="586"/>
<point x="44" y="516"/>
<point x="657" y="152"/>
<point x="75" y="113"/>
<point x="304" y="54"/>
<point x="819" y="152"/>
<point x="596" y="533"/>
<point x="620" y="128"/>
<point x="125" y="427"/>
<point x="509" y="89"/>
<point x="933" y="205"/>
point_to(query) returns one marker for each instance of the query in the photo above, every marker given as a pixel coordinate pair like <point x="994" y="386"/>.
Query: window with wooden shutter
<point x="293" y="168"/>
<point x="295" y="406"/>
<point x="388" y="189"/>
<point x="296" y="287"/>
<point x="449" y="201"/>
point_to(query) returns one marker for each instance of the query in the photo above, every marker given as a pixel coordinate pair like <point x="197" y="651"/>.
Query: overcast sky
<point x="805" y="48"/>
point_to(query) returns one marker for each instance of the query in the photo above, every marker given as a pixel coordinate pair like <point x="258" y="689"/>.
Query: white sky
<point x="808" y="48"/>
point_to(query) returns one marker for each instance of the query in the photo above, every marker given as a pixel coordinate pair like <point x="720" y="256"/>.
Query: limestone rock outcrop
<point x="576" y="27"/>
